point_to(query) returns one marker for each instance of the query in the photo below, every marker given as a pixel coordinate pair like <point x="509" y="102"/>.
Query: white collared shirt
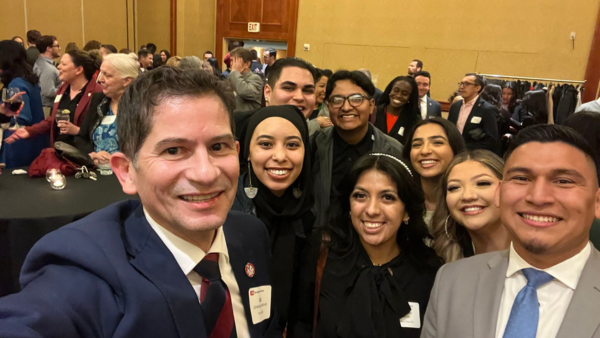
<point x="188" y="256"/>
<point x="554" y="297"/>
<point x="423" y="103"/>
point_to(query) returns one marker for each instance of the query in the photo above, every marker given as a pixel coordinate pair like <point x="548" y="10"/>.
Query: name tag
<point x="476" y="120"/>
<point x="413" y="319"/>
<point x="57" y="98"/>
<point x="108" y="119"/>
<point x="401" y="131"/>
<point x="260" y="303"/>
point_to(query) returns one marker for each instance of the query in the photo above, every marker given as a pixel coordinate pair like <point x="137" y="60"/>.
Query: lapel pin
<point x="250" y="270"/>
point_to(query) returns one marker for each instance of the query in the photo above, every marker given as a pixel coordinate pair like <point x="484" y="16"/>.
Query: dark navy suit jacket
<point x="484" y="133"/>
<point x="110" y="275"/>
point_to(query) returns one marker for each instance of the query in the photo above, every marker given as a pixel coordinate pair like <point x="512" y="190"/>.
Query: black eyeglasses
<point x="465" y="84"/>
<point x="355" y="100"/>
<point x="57" y="46"/>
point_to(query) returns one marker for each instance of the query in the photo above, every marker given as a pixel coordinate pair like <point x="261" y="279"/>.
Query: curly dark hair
<point x="89" y="61"/>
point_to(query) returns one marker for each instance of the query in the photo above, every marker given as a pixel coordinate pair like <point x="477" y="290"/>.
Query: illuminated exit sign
<point x="253" y="27"/>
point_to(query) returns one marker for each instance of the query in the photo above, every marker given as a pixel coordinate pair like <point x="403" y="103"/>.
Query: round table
<point x="30" y="208"/>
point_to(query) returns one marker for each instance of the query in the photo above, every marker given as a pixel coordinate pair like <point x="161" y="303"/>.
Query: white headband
<point x="396" y="159"/>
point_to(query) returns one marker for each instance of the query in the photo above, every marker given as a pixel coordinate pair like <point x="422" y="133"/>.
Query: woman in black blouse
<point x="378" y="272"/>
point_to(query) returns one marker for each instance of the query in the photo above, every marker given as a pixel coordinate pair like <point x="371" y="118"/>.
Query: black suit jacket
<point x="481" y="128"/>
<point x="110" y="275"/>
<point x="400" y="129"/>
<point x="433" y="108"/>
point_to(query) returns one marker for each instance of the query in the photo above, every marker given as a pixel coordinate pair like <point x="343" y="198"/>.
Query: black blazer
<point x="402" y="126"/>
<point x="96" y="112"/>
<point x="481" y="128"/>
<point x="434" y="108"/>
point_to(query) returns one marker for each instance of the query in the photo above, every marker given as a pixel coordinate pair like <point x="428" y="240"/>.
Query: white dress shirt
<point x="423" y="105"/>
<point x="188" y="256"/>
<point x="554" y="297"/>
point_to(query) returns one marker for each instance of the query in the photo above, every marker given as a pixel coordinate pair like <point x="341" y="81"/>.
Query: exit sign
<point x="253" y="27"/>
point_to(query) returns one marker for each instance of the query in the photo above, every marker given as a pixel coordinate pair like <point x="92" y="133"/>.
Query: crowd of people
<point x="288" y="200"/>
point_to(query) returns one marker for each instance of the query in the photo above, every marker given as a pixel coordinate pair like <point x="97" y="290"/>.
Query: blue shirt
<point x="105" y="135"/>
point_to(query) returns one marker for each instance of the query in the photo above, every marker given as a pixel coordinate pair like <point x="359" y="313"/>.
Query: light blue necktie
<point x="525" y="312"/>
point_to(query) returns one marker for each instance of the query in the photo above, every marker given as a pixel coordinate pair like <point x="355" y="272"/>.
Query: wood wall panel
<point x="277" y="20"/>
<point x="271" y="12"/>
<point x="239" y="12"/>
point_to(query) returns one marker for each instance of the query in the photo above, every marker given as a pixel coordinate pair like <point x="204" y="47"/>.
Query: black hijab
<point x="288" y="218"/>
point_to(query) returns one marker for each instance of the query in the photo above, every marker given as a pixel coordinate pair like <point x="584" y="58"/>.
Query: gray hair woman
<point x="98" y="134"/>
<point x="190" y="62"/>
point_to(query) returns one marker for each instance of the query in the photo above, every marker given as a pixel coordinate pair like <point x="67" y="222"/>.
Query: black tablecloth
<point x="30" y="208"/>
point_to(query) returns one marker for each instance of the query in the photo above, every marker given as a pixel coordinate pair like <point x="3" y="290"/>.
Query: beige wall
<point x="69" y="20"/>
<point x="13" y="24"/>
<point x="196" y="24"/>
<point x="452" y="37"/>
<point x="153" y="19"/>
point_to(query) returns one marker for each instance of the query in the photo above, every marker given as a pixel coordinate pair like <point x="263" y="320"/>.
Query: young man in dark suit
<point x="178" y="264"/>
<point x="429" y="108"/>
<point x="473" y="116"/>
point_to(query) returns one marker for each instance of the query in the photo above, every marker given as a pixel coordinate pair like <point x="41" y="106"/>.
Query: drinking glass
<point x="62" y="115"/>
<point x="52" y="173"/>
<point x="12" y="104"/>
<point x="58" y="182"/>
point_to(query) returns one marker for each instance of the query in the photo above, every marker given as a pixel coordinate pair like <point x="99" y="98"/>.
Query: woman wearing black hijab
<point x="375" y="273"/>
<point x="277" y="188"/>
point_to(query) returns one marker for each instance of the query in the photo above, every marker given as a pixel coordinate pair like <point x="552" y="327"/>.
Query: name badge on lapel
<point x="57" y="98"/>
<point x="260" y="303"/>
<point x="412" y="320"/>
<point x="476" y="120"/>
<point x="401" y="131"/>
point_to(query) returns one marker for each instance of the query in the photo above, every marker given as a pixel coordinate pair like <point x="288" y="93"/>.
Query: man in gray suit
<point x="429" y="108"/>
<point x="548" y="283"/>
<point x="247" y="86"/>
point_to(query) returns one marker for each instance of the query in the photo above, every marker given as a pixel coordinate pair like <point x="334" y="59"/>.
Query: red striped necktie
<point x="215" y="299"/>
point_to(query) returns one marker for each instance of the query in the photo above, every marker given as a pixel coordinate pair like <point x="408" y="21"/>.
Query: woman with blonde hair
<point x="467" y="221"/>
<point x="173" y="61"/>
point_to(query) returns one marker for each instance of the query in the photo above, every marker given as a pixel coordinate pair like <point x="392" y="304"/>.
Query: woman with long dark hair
<point x="398" y="108"/>
<point x="216" y="70"/>
<point x="16" y="72"/>
<point x="509" y="96"/>
<point x="373" y="264"/>
<point x="429" y="148"/>
<point x="493" y="94"/>
<point x="164" y="57"/>
<point x="277" y="188"/>
<point x="73" y="97"/>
